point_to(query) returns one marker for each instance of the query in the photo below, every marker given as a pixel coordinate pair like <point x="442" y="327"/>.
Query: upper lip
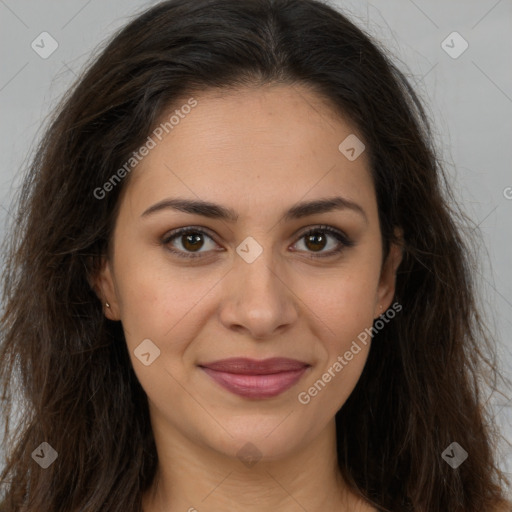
<point x="246" y="366"/>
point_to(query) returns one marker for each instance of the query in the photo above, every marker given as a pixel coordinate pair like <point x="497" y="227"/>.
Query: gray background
<point x="469" y="98"/>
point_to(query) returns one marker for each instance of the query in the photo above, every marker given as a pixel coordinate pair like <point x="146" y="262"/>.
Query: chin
<point x="263" y="440"/>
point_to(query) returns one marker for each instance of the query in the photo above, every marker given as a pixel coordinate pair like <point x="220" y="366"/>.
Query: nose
<point x="258" y="298"/>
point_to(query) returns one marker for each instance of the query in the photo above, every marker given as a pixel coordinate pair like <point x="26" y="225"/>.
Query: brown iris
<point x="314" y="238"/>
<point x="194" y="240"/>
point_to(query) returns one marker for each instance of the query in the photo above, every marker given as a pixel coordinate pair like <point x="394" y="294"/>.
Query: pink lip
<point x="251" y="378"/>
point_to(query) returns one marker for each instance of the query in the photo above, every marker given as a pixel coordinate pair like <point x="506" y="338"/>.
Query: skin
<point x="258" y="151"/>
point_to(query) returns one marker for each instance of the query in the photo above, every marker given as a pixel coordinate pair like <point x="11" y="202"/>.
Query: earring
<point x="107" y="304"/>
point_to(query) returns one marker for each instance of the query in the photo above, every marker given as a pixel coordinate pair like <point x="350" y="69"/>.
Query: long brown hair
<point x="67" y="368"/>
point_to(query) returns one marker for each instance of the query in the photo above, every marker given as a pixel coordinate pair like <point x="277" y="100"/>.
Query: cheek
<point x="349" y="318"/>
<point x="343" y="359"/>
<point x="325" y="393"/>
<point x="161" y="302"/>
<point x="344" y="308"/>
<point x="149" y="302"/>
<point x="344" y="302"/>
<point x="343" y="375"/>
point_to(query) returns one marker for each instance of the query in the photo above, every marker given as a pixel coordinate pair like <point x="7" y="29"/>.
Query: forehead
<point x="254" y="145"/>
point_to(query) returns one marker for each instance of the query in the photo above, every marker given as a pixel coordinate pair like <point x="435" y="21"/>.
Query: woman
<point x="236" y="282"/>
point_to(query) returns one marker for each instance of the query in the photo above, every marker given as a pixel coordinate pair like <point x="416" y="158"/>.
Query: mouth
<point x="257" y="379"/>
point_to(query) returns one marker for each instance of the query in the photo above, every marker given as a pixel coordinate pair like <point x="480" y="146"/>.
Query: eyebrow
<point x="216" y="211"/>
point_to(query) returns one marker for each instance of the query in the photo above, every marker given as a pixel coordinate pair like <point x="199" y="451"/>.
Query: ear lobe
<point x="102" y="282"/>
<point x="387" y="282"/>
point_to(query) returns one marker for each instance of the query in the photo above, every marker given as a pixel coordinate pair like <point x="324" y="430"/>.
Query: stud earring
<point x="107" y="304"/>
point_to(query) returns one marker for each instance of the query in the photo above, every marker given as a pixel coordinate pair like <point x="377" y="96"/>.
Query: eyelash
<point x="341" y="237"/>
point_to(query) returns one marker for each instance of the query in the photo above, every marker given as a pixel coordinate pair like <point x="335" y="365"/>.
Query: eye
<point x="316" y="239"/>
<point x="190" y="238"/>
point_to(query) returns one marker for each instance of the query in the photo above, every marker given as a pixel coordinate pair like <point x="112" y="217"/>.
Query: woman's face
<point x="258" y="287"/>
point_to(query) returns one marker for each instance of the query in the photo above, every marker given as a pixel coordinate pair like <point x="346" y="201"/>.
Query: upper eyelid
<point x="179" y="231"/>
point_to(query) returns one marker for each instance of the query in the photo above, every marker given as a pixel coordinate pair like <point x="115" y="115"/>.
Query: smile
<point x="256" y="379"/>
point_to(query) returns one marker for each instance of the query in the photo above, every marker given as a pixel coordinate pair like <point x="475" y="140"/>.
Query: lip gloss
<point x="256" y="386"/>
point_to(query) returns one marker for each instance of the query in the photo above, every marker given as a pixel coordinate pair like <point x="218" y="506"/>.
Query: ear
<point x="103" y="284"/>
<point x="387" y="281"/>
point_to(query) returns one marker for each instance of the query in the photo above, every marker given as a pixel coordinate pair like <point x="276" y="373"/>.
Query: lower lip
<point x="256" y="386"/>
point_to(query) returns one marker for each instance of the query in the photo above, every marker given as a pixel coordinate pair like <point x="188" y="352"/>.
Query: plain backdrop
<point x="457" y="54"/>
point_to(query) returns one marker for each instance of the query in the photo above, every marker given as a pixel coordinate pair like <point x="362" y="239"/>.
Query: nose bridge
<point x="256" y="269"/>
<point x="258" y="298"/>
<point x="259" y="275"/>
